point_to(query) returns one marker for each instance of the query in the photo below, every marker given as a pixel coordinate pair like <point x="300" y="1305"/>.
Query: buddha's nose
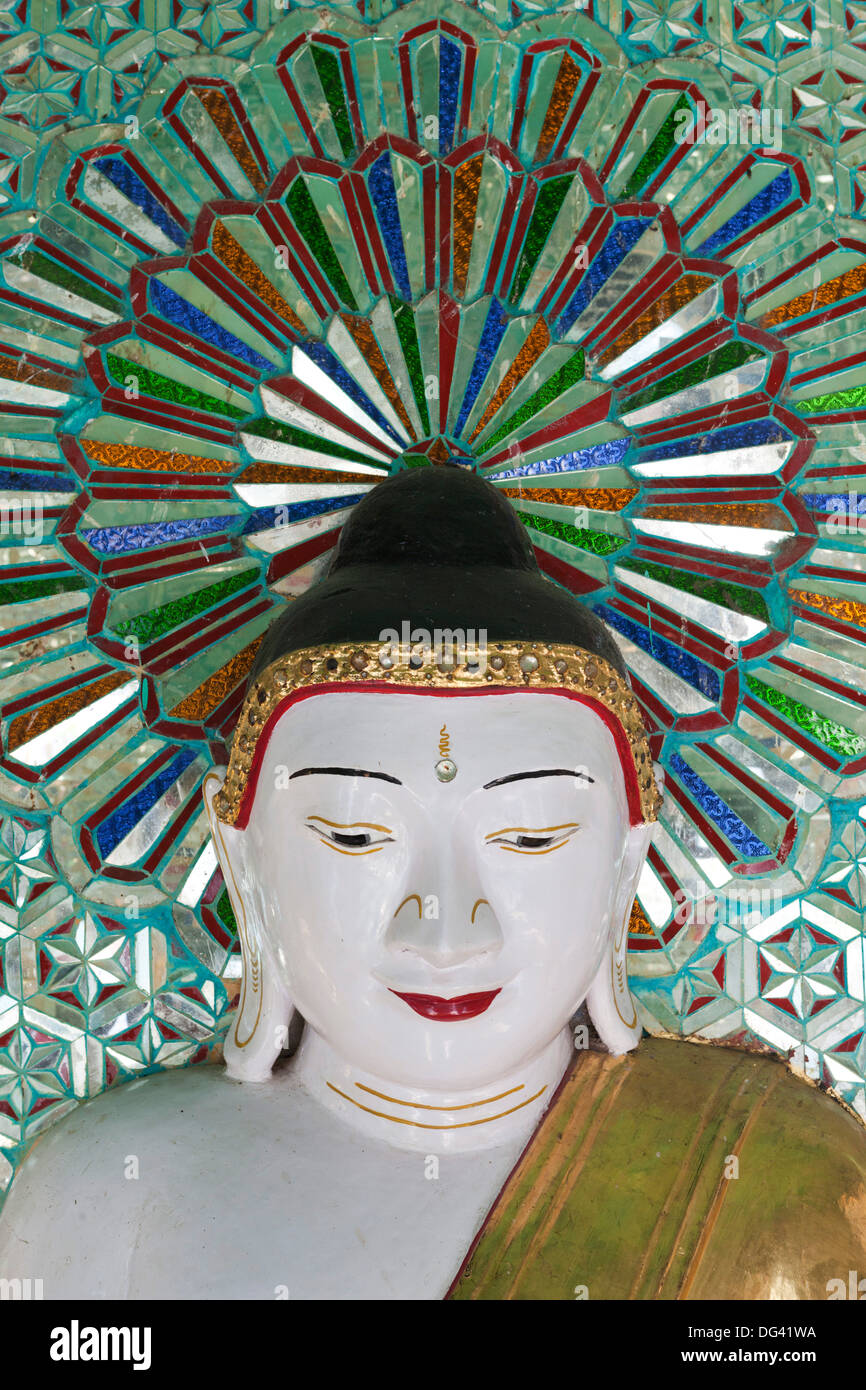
<point x="447" y="920"/>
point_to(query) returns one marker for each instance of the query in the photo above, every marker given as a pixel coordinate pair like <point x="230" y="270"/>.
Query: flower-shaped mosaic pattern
<point x="429" y="244"/>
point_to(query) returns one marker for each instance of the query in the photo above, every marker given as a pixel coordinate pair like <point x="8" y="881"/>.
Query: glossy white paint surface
<point x="514" y="877"/>
<point x="242" y="1192"/>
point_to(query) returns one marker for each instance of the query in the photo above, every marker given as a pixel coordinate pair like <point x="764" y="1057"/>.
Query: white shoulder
<point x="86" y="1207"/>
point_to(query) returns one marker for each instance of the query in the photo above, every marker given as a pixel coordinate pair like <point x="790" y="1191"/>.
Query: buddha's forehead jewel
<point x="434" y="590"/>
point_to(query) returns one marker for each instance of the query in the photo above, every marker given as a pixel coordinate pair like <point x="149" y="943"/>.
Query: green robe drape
<point x="679" y="1172"/>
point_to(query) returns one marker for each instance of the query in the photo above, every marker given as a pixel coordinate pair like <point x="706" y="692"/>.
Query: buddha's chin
<point x="432" y="1037"/>
<point x="447" y="1056"/>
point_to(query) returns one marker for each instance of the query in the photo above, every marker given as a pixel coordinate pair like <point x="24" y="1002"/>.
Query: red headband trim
<point x="293" y="697"/>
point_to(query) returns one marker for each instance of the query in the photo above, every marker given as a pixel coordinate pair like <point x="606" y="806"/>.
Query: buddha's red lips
<point x="448" y="1010"/>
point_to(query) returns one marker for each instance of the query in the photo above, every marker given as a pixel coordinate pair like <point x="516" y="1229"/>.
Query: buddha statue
<point x="463" y="730"/>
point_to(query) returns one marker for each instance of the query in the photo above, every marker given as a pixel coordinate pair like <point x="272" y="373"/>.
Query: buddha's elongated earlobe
<point x="260" y="1029"/>
<point x="609" y="1001"/>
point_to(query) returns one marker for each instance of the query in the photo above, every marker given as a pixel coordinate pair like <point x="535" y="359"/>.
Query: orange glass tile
<point x="22" y="369"/>
<point x="847" y="610"/>
<point x="232" y="255"/>
<point x="763" y="514"/>
<point x="467" y="182"/>
<point x="842" y="287"/>
<point x="537" y="341"/>
<point x="676" y="297"/>
<point x="295" y="473"/>
<point x="601" y="499"/>
<point x="114" y="455"/>
<point x="638" y="922"/>
<point x="210" y="694"/>
<point x="439" y="452"/>
<point x="38" y="721"/>
<point x="217" y="105"/>
<point x="560" y="100"/>
<point x="365" y="339"/>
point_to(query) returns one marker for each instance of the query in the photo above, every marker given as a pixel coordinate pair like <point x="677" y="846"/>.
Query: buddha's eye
<point x="361" y="837"/>
<point x="521" y="839"/>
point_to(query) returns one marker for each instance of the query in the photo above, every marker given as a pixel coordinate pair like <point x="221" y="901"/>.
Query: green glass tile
<point x="738" y="597"/>
<point x="309" y="224"/>
<point x="265" y="428"/>
<point x="568" y="374"/>
<point x="598" y="542"/>
<point x="852" y="399"/>
<point x="24" y="590"/>
<point x="328" y="69"/>
<point x="404" y="320"/>
<point x="551" y="195"/>
<point x="836" y="737"/>
<point x="225" y="912"/>
<point x="659" y="149"/>
<point x="43" y="266"/>
<point x="152" y="383"/>
<point x="724" y="359"/>
<point x="147" y="627"/>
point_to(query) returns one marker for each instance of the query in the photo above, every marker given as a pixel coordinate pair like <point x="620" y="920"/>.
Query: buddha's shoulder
<point x="172" y="1110"/>
<point x="171" y="1123"/>
<point x="748" y="1097"/>
<point x="128" y="1192"/>
<point x="680" y="1171"/>
<point x="759" y="1176"/>
<point x="165" y="1111"/>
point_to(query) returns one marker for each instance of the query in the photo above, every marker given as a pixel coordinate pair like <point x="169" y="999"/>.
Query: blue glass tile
<point x="121" y="821"/>
<point x="131" y="186"/>
<point x="384" y="195"/>
<point x="450" y="58"/>
<point x="116" y="540"/>
<point x="265" y="518"/>
<point x="757" y="208"/>
<point x="11" y="480"/>
<point x="736" y="437"/>
<point x="741" y="837"/>
<point x="850" y="505"/>
<point x="491" y="337"/>
<point x="179" y="310"/>
<point x="696" y="673"/>
<point x="616" y="247"/>
<point x="597" y="456"/>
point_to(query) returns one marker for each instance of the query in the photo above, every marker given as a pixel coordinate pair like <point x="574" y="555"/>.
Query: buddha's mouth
<point x="448" y="1010"/>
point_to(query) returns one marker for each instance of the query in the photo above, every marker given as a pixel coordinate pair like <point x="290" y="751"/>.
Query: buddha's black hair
<point x="441" y="548"/>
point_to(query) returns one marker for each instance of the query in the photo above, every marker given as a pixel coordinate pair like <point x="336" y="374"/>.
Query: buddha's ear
<point x="260" y="1028"/>
<point x="609" y="1002"/>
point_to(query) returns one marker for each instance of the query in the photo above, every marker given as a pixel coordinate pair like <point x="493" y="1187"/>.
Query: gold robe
<point x="679" y="1172"/>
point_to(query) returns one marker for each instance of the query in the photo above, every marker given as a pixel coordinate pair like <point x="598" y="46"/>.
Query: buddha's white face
<point x="437" y="933"/>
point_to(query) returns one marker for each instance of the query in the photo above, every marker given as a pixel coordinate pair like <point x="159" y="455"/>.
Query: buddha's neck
<point x="433" y="1122"/>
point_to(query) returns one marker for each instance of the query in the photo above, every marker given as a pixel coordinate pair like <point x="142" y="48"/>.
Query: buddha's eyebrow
<point x="345" y="772"/>
<point x="546" y="772"/>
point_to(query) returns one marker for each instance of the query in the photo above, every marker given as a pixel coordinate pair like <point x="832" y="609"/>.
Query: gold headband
<point x="506" y="665"/>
